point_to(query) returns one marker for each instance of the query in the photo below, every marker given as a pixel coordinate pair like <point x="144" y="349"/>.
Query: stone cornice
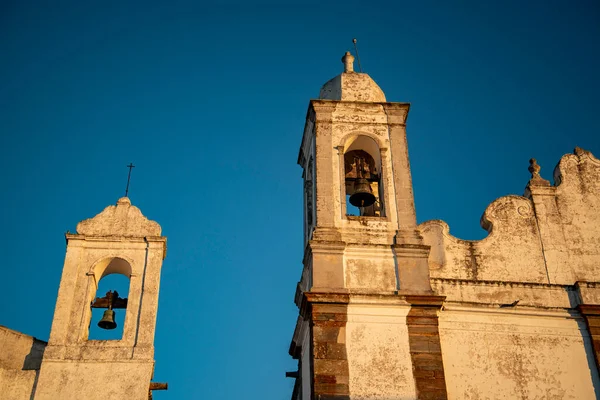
<point x="467" y="282"/>
<point x="75" y="236"/>
<point x="353" y="296"/>
<point x="101" y="242"/>
<point x="522" y="311"/>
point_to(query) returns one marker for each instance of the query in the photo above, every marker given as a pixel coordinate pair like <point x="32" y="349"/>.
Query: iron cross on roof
<point x="130" y="166"/>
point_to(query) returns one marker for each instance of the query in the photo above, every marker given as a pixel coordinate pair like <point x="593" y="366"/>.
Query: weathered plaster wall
<point x="513" y="323"/>
<point x="516" y="355"/>
<point x="20" y="351"/>
<point x="570" y="220"/>
<point x="550" y="236"/>
<point x="511" y="252"/>
<point x="368" y="267"/>
<point x="379" y="358"/>
<point x="95" y="380"/>
<point x="16" y="384"/>
<point x="20" y="359"/>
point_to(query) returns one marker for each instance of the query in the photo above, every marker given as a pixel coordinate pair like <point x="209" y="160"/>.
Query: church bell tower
<point x="119" y="240"/>
<point x="367" y="327"/>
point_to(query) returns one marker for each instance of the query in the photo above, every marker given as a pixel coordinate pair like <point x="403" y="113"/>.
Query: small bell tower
<point x="368" y="315"/>
<point x="119" y="240"/>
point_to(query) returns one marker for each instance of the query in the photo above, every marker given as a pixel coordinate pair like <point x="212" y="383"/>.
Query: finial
<point x="536" y="179"/>
<point x="348" y="61"/>
<point x="130" y="166"/>
<point x="124" y="201"/>
<point x="534" y="168"/>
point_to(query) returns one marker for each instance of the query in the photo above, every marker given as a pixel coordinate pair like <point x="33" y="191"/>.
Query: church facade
<point x="70" y="366"/>
<point x="390" y="310"/>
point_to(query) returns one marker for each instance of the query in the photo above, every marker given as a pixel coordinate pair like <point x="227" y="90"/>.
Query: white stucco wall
<point x="378" y="354"/>
<point x="516" y="355"/>
<point x="95" y="380"/>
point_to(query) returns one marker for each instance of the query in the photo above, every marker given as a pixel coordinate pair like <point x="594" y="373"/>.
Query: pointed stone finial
<point x="536" y="179"/>
<point x="348" y="61"/>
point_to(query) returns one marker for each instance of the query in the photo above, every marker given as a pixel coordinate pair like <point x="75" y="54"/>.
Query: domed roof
<point x="352" y="86"/>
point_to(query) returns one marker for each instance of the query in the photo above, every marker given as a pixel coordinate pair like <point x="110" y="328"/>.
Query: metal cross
<point x="130" y="166"/>
<point x="357" y="56"/>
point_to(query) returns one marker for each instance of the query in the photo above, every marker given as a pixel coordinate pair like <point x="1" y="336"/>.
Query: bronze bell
<point x="363" y="195"/>
<point x="108" y="320"/>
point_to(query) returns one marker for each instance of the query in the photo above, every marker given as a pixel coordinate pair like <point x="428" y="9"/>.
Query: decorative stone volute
<point x="123" y="219"/>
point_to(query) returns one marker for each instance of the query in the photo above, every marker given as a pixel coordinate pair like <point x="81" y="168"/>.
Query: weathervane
<point x="130" y="166"/>
<point x="357" y="56"/>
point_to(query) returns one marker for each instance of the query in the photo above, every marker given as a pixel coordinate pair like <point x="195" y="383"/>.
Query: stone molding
<point x="471" y="282"/>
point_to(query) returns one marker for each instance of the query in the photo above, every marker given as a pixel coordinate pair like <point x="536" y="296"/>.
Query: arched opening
<point x="362" y="177"/>
<point x="109" y="305"/>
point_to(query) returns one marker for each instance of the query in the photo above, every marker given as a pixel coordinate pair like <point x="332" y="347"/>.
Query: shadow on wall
<point x="33" y="361"/>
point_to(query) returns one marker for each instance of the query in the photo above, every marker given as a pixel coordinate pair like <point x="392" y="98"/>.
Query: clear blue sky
<point x="209" y="101"/>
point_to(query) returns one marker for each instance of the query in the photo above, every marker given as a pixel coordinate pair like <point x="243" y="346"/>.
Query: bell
<point x="362" y="196"/>
<point x="108" y="320"/>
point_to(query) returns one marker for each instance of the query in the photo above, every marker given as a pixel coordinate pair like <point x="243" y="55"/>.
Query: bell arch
<point x="362" y="176"/>
<point x="111" y="265"/>
<point x="109" y="292"/>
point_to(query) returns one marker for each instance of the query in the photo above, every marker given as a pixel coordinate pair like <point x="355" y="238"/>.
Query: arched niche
<point x="110" y="274"/>
<point x="364" y="143"/>
<point x="362" y="173"/>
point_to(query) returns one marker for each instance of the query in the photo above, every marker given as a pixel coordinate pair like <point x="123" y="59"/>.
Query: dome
<point x="352" y="86"/>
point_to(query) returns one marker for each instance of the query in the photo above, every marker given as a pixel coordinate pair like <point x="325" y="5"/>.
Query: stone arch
<point x="107" y="266"/>
<point x="111" y="265"/>
<point x="348" y="139"/>
<point x="362" y="160"/>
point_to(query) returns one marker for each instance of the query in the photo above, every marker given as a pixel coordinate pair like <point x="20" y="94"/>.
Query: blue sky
<point x="208" y="101"/>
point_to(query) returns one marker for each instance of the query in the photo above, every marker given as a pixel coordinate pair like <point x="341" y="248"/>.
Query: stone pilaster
<point x="325" y="206"/>
<point x="329" y="314"/>
<point x="425" y="347"/>
<point x="591" y="315"/>
<point x="405" y="203"/>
